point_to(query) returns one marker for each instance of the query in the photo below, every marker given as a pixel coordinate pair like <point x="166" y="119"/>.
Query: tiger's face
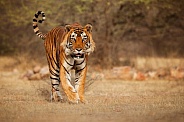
<point x="78" y="41"/>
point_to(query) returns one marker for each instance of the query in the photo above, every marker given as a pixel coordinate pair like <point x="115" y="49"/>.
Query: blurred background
<point x="137" y="33"/>
<point x="141" y="41"/>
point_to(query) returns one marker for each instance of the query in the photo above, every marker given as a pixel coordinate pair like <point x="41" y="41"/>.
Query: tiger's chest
<point x="71" y="63"/>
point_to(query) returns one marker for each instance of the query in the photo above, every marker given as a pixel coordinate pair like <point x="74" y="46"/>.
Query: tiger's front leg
<point x="80" y="78"/>
<point x="69" y="90"/>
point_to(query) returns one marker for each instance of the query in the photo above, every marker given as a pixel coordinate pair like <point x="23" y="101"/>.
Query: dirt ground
<point x="108" y="100"/>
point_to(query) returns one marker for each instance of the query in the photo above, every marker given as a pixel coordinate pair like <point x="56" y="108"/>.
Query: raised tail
<point x="35" y="24"/>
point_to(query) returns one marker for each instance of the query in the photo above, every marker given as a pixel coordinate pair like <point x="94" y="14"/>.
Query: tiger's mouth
<point x="78" y="55"/>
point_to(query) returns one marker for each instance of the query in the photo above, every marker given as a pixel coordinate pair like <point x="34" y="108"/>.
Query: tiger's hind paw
<point x="56" y="96"/>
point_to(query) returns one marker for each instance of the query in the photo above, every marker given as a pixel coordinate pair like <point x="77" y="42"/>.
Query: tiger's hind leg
<point x="55" y="82"/>
<point x="54" y="68"/>
<point x="55" y="92"/>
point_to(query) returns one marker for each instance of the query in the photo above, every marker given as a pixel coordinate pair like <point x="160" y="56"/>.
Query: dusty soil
<point x="108" y="100"/>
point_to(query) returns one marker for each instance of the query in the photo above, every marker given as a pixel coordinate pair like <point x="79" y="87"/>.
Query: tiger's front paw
<point x="73" y="96"/>
<point x="84" y="101"/>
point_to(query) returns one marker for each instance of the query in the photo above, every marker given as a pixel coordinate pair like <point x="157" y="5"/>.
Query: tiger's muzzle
<point x="78" y="53"/>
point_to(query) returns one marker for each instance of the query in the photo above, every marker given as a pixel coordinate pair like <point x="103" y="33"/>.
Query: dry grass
<point x="23" y="100"/>
<point x="108" y="100"/>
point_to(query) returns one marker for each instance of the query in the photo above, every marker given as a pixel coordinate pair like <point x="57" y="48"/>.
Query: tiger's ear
<point x="89" y="28"/>
<point x="67" y="28"/>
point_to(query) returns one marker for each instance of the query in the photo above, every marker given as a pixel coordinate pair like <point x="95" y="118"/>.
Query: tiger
<point x="67" y="48"/>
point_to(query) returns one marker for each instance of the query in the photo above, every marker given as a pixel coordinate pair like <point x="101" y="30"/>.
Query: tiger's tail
<point x="35" y="24"/>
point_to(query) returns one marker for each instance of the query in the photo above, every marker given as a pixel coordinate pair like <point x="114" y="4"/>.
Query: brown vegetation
<point x="122" y="29"/>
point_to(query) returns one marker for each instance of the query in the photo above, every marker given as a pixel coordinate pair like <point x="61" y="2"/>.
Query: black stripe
<point x="80" y="69"/>
<point x="39" y="12"/>
<point x="65" y="69"/>
<point x="54" y="62"/>
<point x="76" y="79"/>
<point x="54" y="84"/>
<point x="34" y="20"/>
<point x="36" y="15"/>
<point x="43" y="14"/>
<point x="55" y="88"/>
<point x="67" y="61"/>
<point x="54" y="73"/>
<point x="68" y="79"/>
<point x="35" y="26"/>
<point x="54" y="59"/>
<point x="53" y="68"/>
<point x="40" y="21"/>
<point x="37" y="32"/>
<point x="57" y="70"/>
<point x="81" y="62"/>
<point x="54" y="78"/>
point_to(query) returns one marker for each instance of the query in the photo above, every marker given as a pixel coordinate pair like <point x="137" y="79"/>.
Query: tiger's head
<point x="78" y="40"/>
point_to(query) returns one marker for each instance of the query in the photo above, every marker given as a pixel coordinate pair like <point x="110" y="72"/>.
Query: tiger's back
<point x="52" y="42"/>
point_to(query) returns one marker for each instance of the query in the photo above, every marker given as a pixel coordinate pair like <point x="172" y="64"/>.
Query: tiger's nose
<point x="78" y="49"/>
